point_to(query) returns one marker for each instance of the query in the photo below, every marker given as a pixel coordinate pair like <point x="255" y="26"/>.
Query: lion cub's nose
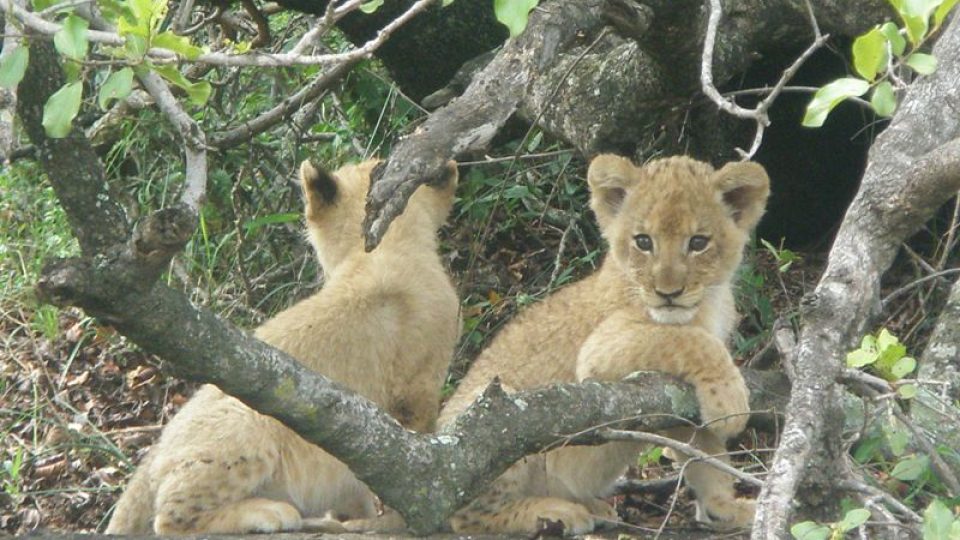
<point x="669" y="296"/>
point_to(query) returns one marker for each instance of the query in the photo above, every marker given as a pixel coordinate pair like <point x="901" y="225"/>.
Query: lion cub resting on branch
<point x="662" y="300"/>
<point x="384" y="324"/>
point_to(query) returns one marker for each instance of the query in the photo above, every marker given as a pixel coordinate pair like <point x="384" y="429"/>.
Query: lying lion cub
<point x="661" y="301"/>
<point x="384" y="324"/>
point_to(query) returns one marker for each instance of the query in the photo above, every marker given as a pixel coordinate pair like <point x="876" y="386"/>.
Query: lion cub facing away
<point x="384" y="324"/>
<point x="662" y="301"/>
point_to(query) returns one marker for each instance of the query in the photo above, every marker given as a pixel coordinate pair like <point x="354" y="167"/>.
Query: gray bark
<point x="934" y="409"/>
<point x="615" y="91"/>
<point x="8" y="97"/>
<point x="913" y="168"/>
<point x="941" y="359"/>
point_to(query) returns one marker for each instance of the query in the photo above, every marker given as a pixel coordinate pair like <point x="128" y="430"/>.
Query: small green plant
<point x="811" y="530"/>
<point x="650" y="457"/>
<point x="11" y="473"/>
<point x="887" y="357"/>
<point x="784" y="257"/>
<point x="880" y="56"/>
<point x="46" y="320"/>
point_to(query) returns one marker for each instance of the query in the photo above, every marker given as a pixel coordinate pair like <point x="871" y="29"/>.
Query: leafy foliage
<point x="879" y="58"/>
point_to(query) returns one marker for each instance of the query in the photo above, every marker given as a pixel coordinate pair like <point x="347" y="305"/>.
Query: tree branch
<point x="74" y="170"/>
<point x="470" y="122"/>
<point x="295" y="58"/>
<point x="913" y="167"/>
<point x="283" y="110"/>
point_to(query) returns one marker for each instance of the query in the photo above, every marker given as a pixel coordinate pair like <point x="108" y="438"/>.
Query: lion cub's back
<point x="540" y="345"/>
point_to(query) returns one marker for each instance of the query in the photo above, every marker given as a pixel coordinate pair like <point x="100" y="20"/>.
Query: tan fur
<point x="613" y="323"/>
<point x="384" y="324"/>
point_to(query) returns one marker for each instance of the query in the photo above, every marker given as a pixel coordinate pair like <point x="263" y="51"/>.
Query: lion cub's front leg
<point x="621" y="345"/>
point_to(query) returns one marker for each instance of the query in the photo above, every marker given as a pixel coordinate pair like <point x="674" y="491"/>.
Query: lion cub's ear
<point x="319" y="186"/>
<point x="744" y="187"/>
<point x="609" y="177"/>
<point x="440" y="193"/>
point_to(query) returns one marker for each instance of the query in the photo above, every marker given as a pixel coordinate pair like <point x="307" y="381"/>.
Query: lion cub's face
<point x="676" y="227"/>
<point x="335" y="207"/>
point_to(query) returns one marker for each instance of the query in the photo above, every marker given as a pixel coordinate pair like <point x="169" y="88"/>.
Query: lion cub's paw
<point x="725" y="410"/>
<point x="268" y="516"/>
<point x="576" y="518"/>
<point x="724" y="514"/>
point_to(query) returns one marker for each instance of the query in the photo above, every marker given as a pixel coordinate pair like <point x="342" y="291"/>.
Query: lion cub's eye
<point x="698" y="243"/>
<point x="644" y="242"/>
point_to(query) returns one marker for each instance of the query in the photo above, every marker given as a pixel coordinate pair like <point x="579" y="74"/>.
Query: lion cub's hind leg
<point x="510" y="507"/>
<point x="213" y="496"/>
<point x="716" y="502"/>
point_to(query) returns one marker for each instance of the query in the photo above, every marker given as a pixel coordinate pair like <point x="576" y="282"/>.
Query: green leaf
<point x="885" y="339"/>
<point x="860" y="358"/>
<point x="446" y="3"/>
<point x="135" y="47"/>
<point x="71" y="39"/>
<point x="117" y="86"/>
<point x="892" y="33"/>
<point x="937" y="521"/>
<point x="941" y="13"/>
<point x="916" y="28"/>
<point x="287" y="217"/>
<point x="371" y="6"/>
<point x="198" y="92"/>
<point x="923" y="64"/>
<point x="897" y="438"/>
<point x="907" y="391"/>
<point x="810" y="530"/>
<point x="903" y="366"/>
<point x="178" y="44"/>
<point x="911" y="468"/>
<point x="854" y="519"/>
<point x="516" y="192"/>
<point x="829" y="96"/>
<point x="13" y="66"/>
<point x="883" y="100"/>
<point x="61" y="108"/>
<point x="514" y="13"/>
<point x="870" y="54"/>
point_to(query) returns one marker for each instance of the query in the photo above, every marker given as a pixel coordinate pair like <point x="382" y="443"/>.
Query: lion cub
<point x="384" y="324"/>
<point x="662" y="300"/>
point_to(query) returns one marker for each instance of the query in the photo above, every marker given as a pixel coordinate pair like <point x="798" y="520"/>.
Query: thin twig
<point x="758" y="114"/>
<point x="320" y="84"/>
<point x="792" y="89"/>
<point x="939" y="466"/>
<point x="259" y="59"/>
<point x="913" y="284"/>
<point x="692" y="452"/>
<point x="862" y="487"/>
